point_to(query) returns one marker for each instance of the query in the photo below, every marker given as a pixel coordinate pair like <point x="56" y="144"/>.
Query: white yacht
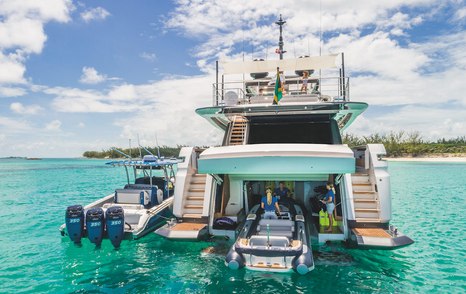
<point x="298" y="141"/>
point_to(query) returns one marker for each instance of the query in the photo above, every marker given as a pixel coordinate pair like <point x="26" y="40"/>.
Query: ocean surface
<point x="429" y="205"/>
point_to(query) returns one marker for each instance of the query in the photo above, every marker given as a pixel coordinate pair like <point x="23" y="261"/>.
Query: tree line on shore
<point x="408" y="144"/>
<point x="396" y="143"/>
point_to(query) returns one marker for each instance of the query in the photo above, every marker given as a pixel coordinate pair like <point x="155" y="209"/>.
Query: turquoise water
<point x="429" y="205"/>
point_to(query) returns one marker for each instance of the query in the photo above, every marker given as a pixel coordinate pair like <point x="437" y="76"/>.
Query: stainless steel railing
<point x="330" y="89"/>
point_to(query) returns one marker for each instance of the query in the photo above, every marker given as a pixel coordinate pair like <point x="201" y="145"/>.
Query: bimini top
<point x="303" y="63"/>
<point x="277" y="159"/>
<point x="147" y="162"/>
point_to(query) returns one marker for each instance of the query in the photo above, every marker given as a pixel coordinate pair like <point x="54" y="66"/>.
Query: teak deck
<point x="371" y="232"/>
<point x="188" y="227"/>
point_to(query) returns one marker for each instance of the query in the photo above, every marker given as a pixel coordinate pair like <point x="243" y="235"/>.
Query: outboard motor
<point x="74" y="219"/>
<point x="95" y="224"/>
<point x="115" y="221"/>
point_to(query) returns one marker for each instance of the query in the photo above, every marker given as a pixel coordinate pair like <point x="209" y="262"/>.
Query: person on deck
<point x="329" y="201"/>
<point x="304" y="79"/>
<point x="270" y="203"/>
<point x="282" y="190"/>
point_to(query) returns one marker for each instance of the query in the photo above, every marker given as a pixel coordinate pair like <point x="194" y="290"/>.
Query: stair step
<point x="368" y="220"/>
<point x="362" y="184"/>
<point x="199" y="175"/>
<point x="364" y="200"/>
<point x="366" y="210"/>
<point x="195" y="198"/>
<point x="192" y="215"/>
<point x="196" y="189"/>
<point x="360" y="174"/>
<point x="193" y="206"/>
<point x="364" y="192"/>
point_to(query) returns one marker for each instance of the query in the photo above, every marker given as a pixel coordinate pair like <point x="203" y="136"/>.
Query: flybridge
<point x="304" y="79"/>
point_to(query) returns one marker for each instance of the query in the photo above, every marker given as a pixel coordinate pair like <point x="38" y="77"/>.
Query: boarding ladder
<point x="238" y="131"/>
<point x="194" y="196"/>
<point x="365" y="198"/>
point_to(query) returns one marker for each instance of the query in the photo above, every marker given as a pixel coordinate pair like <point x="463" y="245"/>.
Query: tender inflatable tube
<point x="234" y="260"/>
<point x="115" y="222"/>
<point x="74" y="220"/>
<point x="302" y="263"/>
<point x="95" y="224"/>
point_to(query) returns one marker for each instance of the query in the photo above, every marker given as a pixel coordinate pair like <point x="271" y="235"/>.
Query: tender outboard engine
<point x="95" y="224"/>
<point x="115" y="221"/>
<point x="74" y="219"/>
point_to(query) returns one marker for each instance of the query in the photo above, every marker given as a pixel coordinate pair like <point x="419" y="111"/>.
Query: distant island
<point x="397" y="144"/>
<point x="165" y="151"/>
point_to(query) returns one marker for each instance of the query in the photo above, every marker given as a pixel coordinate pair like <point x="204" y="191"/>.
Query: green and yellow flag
<point x="278" y="89"/>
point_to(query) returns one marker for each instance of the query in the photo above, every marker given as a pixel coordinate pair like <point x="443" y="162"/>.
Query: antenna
<point x="320" y="33"/>
<point x="121" y="152"/>
<point x="129" y="148"/>
<point x="157" y="143"/>
<point x="320" y="39"/>
<point x="139" y="144"/>
<point x="280" y="23"/>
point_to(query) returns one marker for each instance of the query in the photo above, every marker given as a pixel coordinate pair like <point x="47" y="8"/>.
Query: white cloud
<point x="91" y="76"/>
<point x="12" y="92"/>
<point x="21" y="109"/>
<point x="22" y="32"/>
<point x="81" y="125"/>
<point x="172" y="116"/>
<point x="460" y="14"/>
<point x="148" y="56"/>
<point x="13" y="126"/>
<point x="97" y="13"/>
<point x="11" y="69"/>
<point x="54" y="125"/>
<point x="432" y="121"/>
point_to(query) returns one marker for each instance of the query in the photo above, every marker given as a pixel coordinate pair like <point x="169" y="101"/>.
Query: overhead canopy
<point x="277" y="159"/>
<point x="305" y="63"/>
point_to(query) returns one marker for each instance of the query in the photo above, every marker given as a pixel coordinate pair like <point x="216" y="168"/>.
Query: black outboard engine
<point x="95" y="224"/>
<point x="115" y="221"/>
<point x="74" y="219"/>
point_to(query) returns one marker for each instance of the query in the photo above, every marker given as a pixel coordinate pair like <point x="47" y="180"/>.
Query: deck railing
<point x="331" y="89"/>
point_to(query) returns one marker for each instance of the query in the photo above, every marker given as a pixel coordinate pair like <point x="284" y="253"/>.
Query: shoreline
<point x="427" y="159"/>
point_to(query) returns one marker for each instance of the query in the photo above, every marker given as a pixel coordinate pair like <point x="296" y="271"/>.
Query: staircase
<point x="194" y="198"/>
<point x="238" y="130"/>
<point x="365" y="199"/>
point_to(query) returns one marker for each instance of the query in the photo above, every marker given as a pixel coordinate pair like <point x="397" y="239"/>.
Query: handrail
<point x="329" y="89"/>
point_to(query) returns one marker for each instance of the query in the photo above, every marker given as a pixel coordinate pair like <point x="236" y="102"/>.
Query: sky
<point x="88" y="75"/>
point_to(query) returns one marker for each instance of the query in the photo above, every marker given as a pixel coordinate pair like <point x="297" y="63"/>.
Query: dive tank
<point x="74" y="219"/>
<point x="115" y="221"/>
<point x="95" y="224"/>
